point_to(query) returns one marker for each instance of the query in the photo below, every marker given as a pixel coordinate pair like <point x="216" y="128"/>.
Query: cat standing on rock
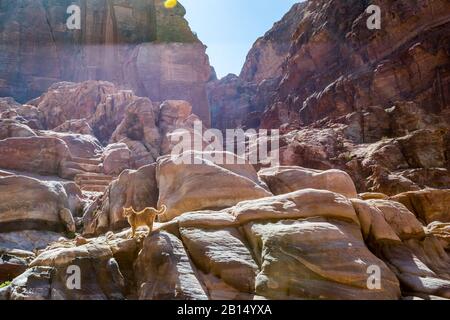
<point x="142" y="218"/>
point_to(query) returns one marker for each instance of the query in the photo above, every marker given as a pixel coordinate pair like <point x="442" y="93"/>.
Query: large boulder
<point x="223" y="253"/>
<point x="288" y="179"/>
<point x="133" y="188"/>
<point x="139" y="124"/>
<point x="421" y="265"/>
<point x="80" y="126"/>
<point x="99" y="263"/>
<point x="204" y="185"/>
<point x="164" y="271"/>
<point x="116" y="158"/>
<point x="428" y="205"/>
<point x="175" y="118"/>
<point x="305" y="244"/>
<point x="26" y="114"/>
<point x="402" y="221"/>
<point x="68" y="101"/>
<point x="316" y="258"/>
<point x="30" y="204"/>
<point x="80" y="145"/>
<point x="13" y="263"/>
<point x="417" y="255"/>
<point x="13" y="129"/>
<point x="43" y="155"/>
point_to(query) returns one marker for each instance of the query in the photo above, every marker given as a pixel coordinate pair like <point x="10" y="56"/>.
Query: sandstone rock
<point x="294" y="267"/>
<point x="43" y="155"/>
<point x="67" y="101"/>
<point x="164" y="271"/>
<point x="11" y="265"/>
<point x="390" y="183"/>
<point x="192" y="187"/>
<point x="76" y="199"/>
<point x="80" y="126"/>
<point x="224" y="254"/>
<point x="139" y="124"/>
<point x="428" y="205"/>
<point x="176" y="118"/>
<point x="288" y="179"/>
<point x="110" y="112"/>
<point x="116" y="158"/>
<point x="25" y="114"/>
<point x="29" y="204"/>
<point x="441" y="231"/>
<point x="402" y="221"/>
<point x="13" y="129"/>
<point x="29" y="240"/>
<point x="181" y="69"/>
<point x="137" y="189"/>
<point x="7" y="103"/>
<point x="33" y="284"/>
<point x="407" y="117"/>
<point x="98" y="261"/>
<point x="294" y="205"/>
<point x="310" y="148"/>
<point x="374" y="225"/>
<point x="424" y="148"/>
<point x="141" y="46"/>
<point x="368" y="125"/>
<point x="420" y="265"/>
<point x="373" y="195"/>
<point x="230" y="99"/>
<point x="80" y="145"/>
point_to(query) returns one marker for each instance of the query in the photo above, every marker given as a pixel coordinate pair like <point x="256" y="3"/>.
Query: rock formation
<point x="344" y="96"/>
<point x="362" y="188"/>
<point x="136" y="44"/>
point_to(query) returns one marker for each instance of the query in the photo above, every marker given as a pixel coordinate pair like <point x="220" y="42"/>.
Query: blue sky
<point x="230" y="27"/>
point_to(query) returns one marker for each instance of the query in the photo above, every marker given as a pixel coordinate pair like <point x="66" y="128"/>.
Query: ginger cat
<point x="143" y="218"/>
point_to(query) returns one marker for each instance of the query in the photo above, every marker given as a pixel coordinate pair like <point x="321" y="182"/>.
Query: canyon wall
<point x="370" y="102"/>
<point x="135" y="44"/>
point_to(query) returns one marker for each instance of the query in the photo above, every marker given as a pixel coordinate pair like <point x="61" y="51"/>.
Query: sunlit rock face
<point x="374" y="103"/>
<point x="136" y="44"/>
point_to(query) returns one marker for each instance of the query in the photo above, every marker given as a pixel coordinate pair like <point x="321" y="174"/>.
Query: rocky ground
<point x="363" y="183"/>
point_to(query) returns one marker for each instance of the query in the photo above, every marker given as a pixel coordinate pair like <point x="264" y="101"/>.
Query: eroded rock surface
<point x="137" y="44"/>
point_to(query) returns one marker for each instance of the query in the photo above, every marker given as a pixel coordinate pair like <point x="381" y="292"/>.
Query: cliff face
<point x="136" y="44"/>
<point x="336" y="65"/>
<point x="371" y="102"/>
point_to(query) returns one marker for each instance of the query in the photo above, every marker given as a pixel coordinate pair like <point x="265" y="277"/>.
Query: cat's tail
<point x="162" y="211"/>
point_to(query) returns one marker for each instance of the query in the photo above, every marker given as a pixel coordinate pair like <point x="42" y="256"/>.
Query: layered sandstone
<point x="373" y="103"/>
<point x="136" y="44"/>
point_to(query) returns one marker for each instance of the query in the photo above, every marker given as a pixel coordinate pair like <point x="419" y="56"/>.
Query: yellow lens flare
<point x="170" y="4"/>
